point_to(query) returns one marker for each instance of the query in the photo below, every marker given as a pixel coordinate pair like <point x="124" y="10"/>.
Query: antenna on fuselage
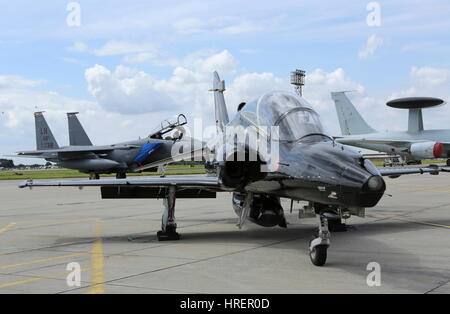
<point x="298" y="80"/>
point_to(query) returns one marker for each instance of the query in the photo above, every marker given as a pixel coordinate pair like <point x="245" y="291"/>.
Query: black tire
<point x="318" y="255"/>
<point x="121" y="175"/>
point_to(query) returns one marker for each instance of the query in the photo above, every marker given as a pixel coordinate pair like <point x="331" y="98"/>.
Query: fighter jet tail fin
<point x="219" y="101"/>
<point x="77" y="135"/>
<point x="351" y="122"/>
<point x="44" y="136"/>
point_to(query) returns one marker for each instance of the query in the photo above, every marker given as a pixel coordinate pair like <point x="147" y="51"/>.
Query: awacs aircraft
<point x="414" y="145"/>
<point x="301" y="162"/>
<point x="119" y="158"/>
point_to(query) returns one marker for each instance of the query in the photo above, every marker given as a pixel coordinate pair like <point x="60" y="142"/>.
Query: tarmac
<point x="47" y="233"/>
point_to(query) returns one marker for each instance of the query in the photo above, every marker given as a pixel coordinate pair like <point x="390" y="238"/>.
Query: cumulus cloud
<point x="429" y="75"/>
<point x="248" y="87"/>
<point x="129" y="91"/>
<point x="373" y="42"/>
<point x="126" y="91"/>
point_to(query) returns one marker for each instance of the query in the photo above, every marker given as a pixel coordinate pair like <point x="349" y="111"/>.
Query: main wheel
<point x="318" y="255"/>
<point x="121" y="175"/>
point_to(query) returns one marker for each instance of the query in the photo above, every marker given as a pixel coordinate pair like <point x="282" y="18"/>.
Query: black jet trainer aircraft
<point x="306" y="164"/>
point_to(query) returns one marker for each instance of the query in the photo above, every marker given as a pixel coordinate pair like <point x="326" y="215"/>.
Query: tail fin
<point x="349" y="118"/>
<point x="77" y="135"/>
<point x="44" y="136"/>
<point x="219" y="100"/>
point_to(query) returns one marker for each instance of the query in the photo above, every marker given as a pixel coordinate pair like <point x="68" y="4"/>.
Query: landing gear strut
<point x="121" y="175"/>
<point x="318" y="247"/>
<point x="169" y="226"/>
<point x="94" y="176"/>
<point x="334" y="216"/>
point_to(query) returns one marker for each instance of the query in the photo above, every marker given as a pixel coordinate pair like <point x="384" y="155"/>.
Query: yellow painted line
<point x="42" y="260"/>
<point x="98" y="275"/>
<point x="53" y="276"/>
<point x="412" y="220"/>
<point x="42" y="247"/>
<point x="56" y="223"/>
<point x="8" y="227"/>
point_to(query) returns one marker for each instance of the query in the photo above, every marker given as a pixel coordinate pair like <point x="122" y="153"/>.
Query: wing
<point x="78" y="149"/>
<point x="395" y="173"/>
<point x="192" y="155"/>
<point x="195" y="182"/>
<point x="395" y="143"/>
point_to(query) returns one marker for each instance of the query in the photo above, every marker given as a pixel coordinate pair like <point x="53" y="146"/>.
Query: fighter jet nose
<point x="372" y="191"/>
<point x="375" y="184"/>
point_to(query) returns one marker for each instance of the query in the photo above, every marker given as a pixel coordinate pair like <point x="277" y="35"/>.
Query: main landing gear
<point x="318" y="246"/>
<point x="121" y="175"/>
<point x="94" y="176"/>
<point x="169" y="226"/>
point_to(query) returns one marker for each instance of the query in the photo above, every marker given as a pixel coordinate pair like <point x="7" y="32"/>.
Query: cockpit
<point x="168" y="125"/>
<point x="291" y="113"/>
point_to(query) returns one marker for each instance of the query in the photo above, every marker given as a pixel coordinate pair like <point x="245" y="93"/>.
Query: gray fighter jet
<point x="120" y="158"/>
<point x="300" y="162"/>
<point x="414" y="145"/>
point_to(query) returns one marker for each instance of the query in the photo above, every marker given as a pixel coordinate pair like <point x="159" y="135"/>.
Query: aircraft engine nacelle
<point x="265" y="210"/>
<point x="90" y="164"/>
<point x="238" y="170"/>
<point x="427" y="150"/>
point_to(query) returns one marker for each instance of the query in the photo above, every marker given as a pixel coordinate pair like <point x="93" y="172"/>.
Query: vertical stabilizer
<point x="219" y="102"/>
<point x="77" y="135"/>
<point x="44" y="136"/>
<point x="350" y="120"/>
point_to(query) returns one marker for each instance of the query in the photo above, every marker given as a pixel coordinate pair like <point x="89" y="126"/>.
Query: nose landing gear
<point x="318" y="247"/>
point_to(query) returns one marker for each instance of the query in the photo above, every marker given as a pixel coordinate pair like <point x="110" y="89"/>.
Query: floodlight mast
<point x="298" y="80"/>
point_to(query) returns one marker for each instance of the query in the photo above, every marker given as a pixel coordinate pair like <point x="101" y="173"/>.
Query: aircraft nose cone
<point x="375" y="184"/>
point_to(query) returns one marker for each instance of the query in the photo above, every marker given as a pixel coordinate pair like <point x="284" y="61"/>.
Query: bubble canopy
<point x="291" y="113"/>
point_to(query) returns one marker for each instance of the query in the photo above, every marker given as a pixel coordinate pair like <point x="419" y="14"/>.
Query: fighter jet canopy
<point x="291" y="113"/>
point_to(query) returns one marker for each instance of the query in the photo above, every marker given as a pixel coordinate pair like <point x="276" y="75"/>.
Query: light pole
<point x="298" y="80"/>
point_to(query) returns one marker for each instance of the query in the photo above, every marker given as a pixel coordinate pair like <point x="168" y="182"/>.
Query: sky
<point x="126" y="66"/>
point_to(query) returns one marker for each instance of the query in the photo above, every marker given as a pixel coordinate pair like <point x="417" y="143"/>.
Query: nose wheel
<point x="318" y="255"/>
<point x="319" y="245"/>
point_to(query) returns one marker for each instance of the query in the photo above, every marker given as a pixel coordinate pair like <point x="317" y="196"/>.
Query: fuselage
<point x="408" y="138"/>
<point x="120" y="157"/>
<point x="308" y="165"/>
<point x="324" y="172"/>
